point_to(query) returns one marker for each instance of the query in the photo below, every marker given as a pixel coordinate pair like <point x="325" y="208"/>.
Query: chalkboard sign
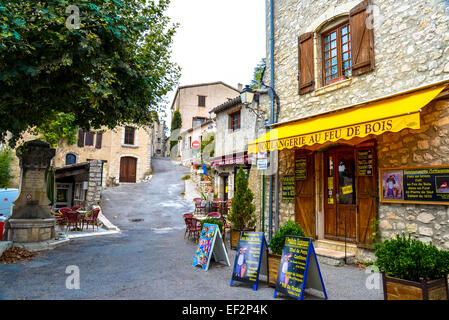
<point x="365" y="162"/>
<point x="210" y="241"/>
<point x="298" y="269"/>
<point x="427" y="185"/>
<point x="301" y="168"/>
<point x="288" y="188"/>
<point x="251" y="258"/>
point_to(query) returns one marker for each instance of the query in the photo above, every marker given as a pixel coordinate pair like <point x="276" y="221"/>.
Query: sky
<point x="217" y="40"/>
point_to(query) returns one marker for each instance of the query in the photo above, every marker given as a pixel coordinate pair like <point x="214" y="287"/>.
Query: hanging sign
<point x="262" y="164"/>
<point x="251" y="259"/>
<point x="427" y="185"/>
<point x="210" y="241"/>
<point x="288" y="188"/>
<point x="298" y="269"/>
<point x="301" y="168"/>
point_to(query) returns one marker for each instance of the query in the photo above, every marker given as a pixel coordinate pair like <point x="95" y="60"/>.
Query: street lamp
<point x="247" y="95"/>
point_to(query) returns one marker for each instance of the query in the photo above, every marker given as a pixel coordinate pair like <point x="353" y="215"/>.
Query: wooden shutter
<point x="98" y="140"/>
<point x="80" y="138"/>
<point x="362" y="39"/>
<point x="306" y="75"/>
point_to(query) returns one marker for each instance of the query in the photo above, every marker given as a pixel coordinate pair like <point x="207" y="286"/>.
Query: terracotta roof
<point x="226" y="105"/>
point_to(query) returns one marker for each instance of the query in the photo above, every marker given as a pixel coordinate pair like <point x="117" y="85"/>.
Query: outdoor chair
<point x="92" y="218"/>
<point x="214" y="214"/>
<point x="216" y="204"/>
<point x="72" y="219"/>
<point x="76" y="208"/>
<point x="194" y="226"/>
<point x="199" y="206"/>
<point x="187" y="222"/>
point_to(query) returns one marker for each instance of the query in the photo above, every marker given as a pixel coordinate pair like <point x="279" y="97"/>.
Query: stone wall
<point x="426" y="146"/>
<point x="93" y="195"/>
<point x="411" y="49"/>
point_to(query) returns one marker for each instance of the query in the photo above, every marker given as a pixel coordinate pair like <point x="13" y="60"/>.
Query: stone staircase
<point x="333" y="252"/>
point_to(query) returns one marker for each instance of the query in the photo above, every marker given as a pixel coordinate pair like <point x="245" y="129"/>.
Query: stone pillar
<point x="31" y="220"/>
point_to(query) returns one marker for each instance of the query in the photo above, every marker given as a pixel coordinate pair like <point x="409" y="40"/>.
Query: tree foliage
<point x="257" y="75"/>
<point x="58" y="129"/>
<point x="242" y="210"/>
<point x="5" y="171"/>
<point x="176" y="124"/>
<point x="112" y="70"/>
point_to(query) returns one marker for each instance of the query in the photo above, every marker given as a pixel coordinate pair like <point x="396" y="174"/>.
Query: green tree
<point x="5" y="162"/>
<point x="242" y="210"/>
<point x="176" y="124"/>
<point x="61" y="128"/>
<point x="113" y="69"/>
<point x="257" y="75"/>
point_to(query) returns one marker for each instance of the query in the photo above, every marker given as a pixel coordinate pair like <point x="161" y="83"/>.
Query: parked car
<point x="7" y="197"/>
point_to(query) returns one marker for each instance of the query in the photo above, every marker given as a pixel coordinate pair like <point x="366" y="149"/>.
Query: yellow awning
<point x="392" y="114"/>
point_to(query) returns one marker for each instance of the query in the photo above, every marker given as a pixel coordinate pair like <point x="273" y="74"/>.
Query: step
<point x="337" y="246"/>
<point x="333" y="257"/>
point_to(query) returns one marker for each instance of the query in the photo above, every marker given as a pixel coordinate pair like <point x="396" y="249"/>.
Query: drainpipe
<point x="270" y="204"/>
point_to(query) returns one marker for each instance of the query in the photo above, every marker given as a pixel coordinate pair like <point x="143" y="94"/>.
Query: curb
<point x="40" y="246"/>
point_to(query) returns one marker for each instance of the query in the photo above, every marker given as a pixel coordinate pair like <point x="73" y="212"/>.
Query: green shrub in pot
<point x="213" y="221"/>
<point x="411" y="259"/>
<point x="289" y="229"/>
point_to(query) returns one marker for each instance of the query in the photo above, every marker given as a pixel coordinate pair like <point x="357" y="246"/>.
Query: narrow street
<point x="150" y="258"/>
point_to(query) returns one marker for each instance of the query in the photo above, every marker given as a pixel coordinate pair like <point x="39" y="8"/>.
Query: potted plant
<point x="242" y="216"/>
<point x="277" y="245"/>
<point x="213" y="221"/>
<point x="412" y="270"/>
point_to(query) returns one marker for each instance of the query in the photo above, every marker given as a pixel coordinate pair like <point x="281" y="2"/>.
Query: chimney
<point x="240" y="86"/>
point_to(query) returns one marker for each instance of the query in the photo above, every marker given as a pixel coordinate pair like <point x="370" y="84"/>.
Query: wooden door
<point x="128" y="169"/>
<point x="367" y="192"/>
<point x="305" y="192"/>
<point x="340" y="190"/>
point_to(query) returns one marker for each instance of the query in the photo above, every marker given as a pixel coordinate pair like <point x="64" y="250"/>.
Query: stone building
<point x="125" y="153"/>
<point x="361" y="130"/>
<point x="190" y="154"/>
<point x="236" y="126"/>
<point x="194" y="103"/>
<point x="158" y="136"/>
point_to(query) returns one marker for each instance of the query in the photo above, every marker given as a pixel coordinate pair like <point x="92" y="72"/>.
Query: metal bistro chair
<point x="61" y="216"/>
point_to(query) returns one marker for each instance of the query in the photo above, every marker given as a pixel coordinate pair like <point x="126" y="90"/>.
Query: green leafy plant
<point x="213" y="221"/>
<point x="411" y="259"/>
<point x="5" y="163"/>
<point x="375" y="234"/>
<point x="114" y="68"/>
<point x="289" y="229"/>
<point x="59" y="128"/>
<point x="186" y="177"/>
<point x="242" y="209"/>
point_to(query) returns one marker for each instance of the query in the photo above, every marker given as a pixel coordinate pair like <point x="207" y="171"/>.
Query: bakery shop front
<point x="336" y="159"/>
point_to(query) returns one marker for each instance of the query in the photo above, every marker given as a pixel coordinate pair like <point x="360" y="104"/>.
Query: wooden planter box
<point x="274" y="261"/>
<point x="400" y="289"/>
<point x="235" y="235"/>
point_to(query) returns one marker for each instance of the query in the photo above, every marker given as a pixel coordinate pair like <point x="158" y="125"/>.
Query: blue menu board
<point x="298" y="269"/>
<point x="251" y="258"/>
<point x="209" y="242"/>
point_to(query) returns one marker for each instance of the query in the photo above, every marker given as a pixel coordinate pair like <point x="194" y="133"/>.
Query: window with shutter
<point x="306" y="74"/>
<point x="80" y="138"/>
<point x="336" y="45"/>
<point x="362" y="39"/>
<point x="89" y="139"/>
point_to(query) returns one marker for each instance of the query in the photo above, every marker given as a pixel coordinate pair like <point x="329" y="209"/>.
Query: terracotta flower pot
<point x="400" y="289"/>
